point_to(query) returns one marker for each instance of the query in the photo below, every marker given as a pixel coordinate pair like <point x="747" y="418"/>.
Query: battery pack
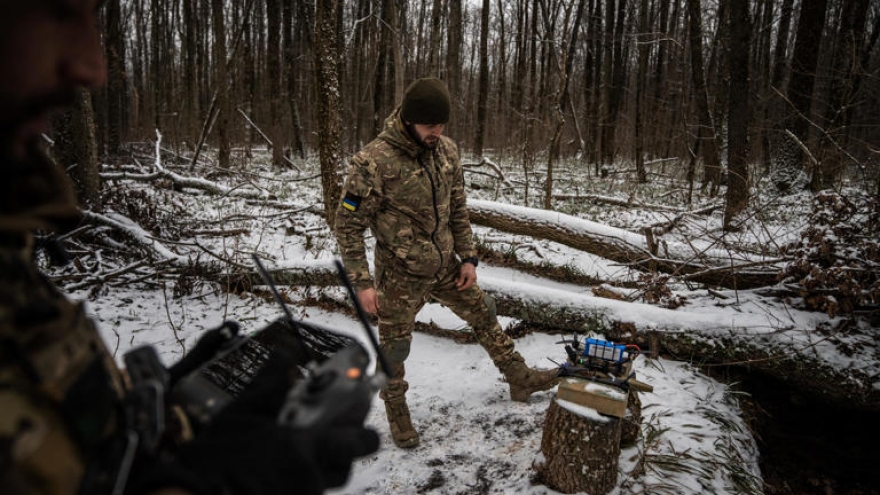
<point x="602" y="349"/>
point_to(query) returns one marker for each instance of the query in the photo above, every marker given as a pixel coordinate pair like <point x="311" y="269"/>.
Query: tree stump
<point x="631" y="423"/>
<point x="581" y="449"/>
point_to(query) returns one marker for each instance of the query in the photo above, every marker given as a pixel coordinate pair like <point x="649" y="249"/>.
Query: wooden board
<point x="606" y="399"/>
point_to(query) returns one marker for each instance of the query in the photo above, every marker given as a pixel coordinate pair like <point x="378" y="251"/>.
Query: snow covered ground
<point x="474" y="439"/>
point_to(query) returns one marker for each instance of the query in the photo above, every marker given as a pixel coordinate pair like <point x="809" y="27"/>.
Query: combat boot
<point x="402" y="431"/>
<point x="525" y="381"/>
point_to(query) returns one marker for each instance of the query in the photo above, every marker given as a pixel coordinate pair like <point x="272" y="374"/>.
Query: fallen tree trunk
<point x="623" y="202"/>
<point x="808" y="358"/>
<point x="699" y="264"/>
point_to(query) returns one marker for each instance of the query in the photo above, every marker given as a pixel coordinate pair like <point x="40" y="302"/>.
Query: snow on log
<point x="697" y="261"/>
<point x="798" y="347"/>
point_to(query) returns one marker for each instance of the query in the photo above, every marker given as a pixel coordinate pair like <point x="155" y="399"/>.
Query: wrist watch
<point x="472" y="260"/>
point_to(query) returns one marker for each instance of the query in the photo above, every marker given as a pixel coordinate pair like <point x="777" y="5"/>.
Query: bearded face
<point x="48" y="49"/>
<point x="429" y="134"/>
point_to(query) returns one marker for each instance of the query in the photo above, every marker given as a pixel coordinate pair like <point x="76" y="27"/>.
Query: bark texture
<point x="617" y="248"/>
<point x="580" y="454"/>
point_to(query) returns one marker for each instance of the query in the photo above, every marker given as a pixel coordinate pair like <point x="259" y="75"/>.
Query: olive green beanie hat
<point x="426" y="101"/>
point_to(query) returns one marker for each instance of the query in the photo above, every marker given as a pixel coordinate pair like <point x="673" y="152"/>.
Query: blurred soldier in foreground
<point x="407" y="187"/>
<point x="63" y="427"/>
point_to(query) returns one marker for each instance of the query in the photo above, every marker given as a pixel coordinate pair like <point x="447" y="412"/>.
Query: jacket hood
<point x="395" y="134"/>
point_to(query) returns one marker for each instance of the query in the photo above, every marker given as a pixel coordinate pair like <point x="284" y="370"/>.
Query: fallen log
<point x="804" y="357"/>
<point x="802" y="350"/>
<point x="701" y="264"/>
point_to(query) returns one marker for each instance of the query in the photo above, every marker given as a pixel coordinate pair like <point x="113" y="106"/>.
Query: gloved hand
<point x="245" y="451"/>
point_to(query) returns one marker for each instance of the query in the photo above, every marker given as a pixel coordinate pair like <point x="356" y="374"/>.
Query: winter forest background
<point x="682" y="158"/>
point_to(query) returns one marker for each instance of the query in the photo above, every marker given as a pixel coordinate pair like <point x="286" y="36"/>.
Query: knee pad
<point x="397" y="351"/>
<point x="489" y="301"/>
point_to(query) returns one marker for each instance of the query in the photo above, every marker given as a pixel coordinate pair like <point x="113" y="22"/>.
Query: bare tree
<point x="641" y="76"/>
<point x="273" y="66"/>
<point x="564" y="67"/>
<point x="788" y="166"/>
<point x="454" y="40"/>
<point x="842" y="92"/>
<point x="330" y="125"/>
<point x="221" y="126"/>
<point x="117" y="106"/>
<point x="76" y="150"/>
<point x="434" y="68"/>
<point x="706" y="127"/>
<point x="288" y="47"/>
<point x="482" y="105"/>
<point x="739" y="114"/>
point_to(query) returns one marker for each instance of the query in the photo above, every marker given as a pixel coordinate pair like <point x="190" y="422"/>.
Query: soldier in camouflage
<point x="407" y="187"/>
<point x="65" y="423"/>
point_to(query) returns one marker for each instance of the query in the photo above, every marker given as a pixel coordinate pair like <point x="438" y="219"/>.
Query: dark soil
<point x="811" y="447"/>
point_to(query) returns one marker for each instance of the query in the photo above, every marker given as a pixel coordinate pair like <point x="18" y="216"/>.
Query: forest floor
<point x="140" y="266"/>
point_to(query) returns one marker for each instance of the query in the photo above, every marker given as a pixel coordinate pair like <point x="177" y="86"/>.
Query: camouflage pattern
<point x="401" y="298"/>
<point x="413" y="201"/>
<point x="59" y="387"/>
<point x="403" y="432"/>
<point x="412" y="198"/>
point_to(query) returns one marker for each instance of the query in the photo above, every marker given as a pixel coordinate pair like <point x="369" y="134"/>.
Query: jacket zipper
<point x="436" y="211"/>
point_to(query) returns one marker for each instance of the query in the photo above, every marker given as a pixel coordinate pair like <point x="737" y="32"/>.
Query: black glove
<point x="244" y="451"/>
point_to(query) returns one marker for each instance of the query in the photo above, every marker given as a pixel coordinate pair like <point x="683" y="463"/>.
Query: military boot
<point x="525" y="381"/>
<point x="402" y="430"/>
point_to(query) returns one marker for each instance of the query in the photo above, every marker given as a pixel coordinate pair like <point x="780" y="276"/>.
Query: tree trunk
<point x="607" y="123"/>
<point x="593" y="86"/>
<point x="453" y="65"/>
<point x="502" y="116"/>
<point x="789" y="158"/>
<point x="434" y="54"/>
<point x="290" y="75"/>
<point x="483" y="96"/>
<point x="117" y="104"/>
<point x="568" y="52"/>
<point x="383" y="92"/>
<point x="842" y="93"/>
<point x="738" y="116"/>
<point x="713" y="268"/>
<point x="706" y="127"/>
<point x="76" y="149"/>
<point x="580" y="453"/>
<point x="156" y="67"/>
<point x="273" y="75"/>
<point x="641" y="75"/>
<point x="660" y="103"/>
<point x="221" y="86"/>
<point x="329" y="122"/>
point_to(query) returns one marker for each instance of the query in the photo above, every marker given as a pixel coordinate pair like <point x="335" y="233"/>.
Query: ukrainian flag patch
<point x="351" y="202"/>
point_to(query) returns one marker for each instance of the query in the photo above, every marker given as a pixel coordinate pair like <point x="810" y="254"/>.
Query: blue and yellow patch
<point x="351" y="202"/>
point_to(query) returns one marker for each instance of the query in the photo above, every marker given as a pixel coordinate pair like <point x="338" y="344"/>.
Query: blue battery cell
<point x="602" y="349"/>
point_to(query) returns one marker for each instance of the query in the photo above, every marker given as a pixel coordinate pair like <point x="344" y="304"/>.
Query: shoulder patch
<point x="351" y="202"/>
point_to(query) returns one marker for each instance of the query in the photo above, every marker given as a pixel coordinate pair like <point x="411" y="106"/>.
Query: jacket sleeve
<point x="459" y="222"/>
<point x="358" y="203"/>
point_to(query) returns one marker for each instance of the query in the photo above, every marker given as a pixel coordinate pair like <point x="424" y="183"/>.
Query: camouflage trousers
<point x="400" y="299"/>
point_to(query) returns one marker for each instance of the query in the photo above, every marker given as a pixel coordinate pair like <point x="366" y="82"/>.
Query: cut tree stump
<point x="581" y="449"/>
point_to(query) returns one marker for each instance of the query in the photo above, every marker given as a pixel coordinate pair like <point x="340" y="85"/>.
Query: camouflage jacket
<point x="59" y="387"/>
<point x="412" y="199"/>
